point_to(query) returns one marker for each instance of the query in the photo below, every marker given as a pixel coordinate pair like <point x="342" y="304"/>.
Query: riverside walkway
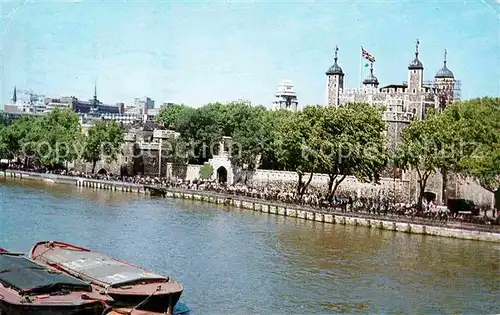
<point x="400" y="223"/>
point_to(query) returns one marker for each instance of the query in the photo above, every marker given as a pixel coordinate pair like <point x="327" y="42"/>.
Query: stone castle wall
<point x="407" y="187"/>
<point x="261" y="177"/>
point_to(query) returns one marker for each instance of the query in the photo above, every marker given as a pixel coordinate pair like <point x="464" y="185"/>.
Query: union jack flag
<point x="367" y="55"/>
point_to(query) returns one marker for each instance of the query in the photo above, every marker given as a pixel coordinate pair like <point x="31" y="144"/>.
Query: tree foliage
<point x="476" y="123"/>
<point x="420" y="150"/>
<point x="49" y="140"/>
<point x="338" y="141"/>
<point x="350" y="141"/>
<point x="464" y="138"/>
<point x="103" y="141"/>
<point x="206" y="171"/>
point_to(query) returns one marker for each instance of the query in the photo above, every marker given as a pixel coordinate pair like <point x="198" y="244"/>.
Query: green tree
<point x="22" y="139"/>
<point x="61" y="131"/>
<point x="294" y="147"/>
<point x="424" y="148"/>
<point x="175" y="116"/>
<point x="104" y="139"/>
<point x="350" y="141"/>
<point x="247" y="127"/>
<point x="476" y="124"/>
<point x="206" y="171"/>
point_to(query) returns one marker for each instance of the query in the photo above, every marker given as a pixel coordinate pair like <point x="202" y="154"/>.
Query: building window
<point x="414" y="71"/>
<point x="414" y="90"/>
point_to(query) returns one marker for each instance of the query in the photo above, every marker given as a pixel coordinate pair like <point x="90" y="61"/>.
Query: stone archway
<point x="430" y="196"/>
<point x="222" y="175"/>
<point x="102" y="171"/>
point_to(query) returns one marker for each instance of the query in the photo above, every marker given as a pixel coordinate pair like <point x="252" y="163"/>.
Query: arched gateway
<point x="102" y="171"/>
<point x="222" y="175"/>
<point x="221" y="162"/>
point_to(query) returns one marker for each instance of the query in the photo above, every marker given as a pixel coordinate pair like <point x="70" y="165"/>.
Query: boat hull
<point x="17" y="309"/>
<point x="144" y="290"/>
<point x="155" y="303"/>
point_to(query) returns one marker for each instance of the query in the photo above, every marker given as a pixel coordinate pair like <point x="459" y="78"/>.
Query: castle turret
<point x="445" y="83"/>
<point x="415" y="73"/>
<point x="334" y="82"/>
<point x="371" y="80"/>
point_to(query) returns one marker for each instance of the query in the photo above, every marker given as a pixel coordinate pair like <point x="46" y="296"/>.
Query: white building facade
<point x="140" y="106"/>
<point x="285" y="96"/>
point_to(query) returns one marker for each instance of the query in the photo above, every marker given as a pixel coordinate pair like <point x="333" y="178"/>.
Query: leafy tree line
<point x="342" y="141"/>
<point x="56" y="138"/>
<point x="348" y="140"/>
<point x="464" y="138"/>
<point x="337" y="141"/>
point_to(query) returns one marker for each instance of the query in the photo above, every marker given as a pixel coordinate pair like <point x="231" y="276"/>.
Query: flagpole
<point x="360" y="67"/>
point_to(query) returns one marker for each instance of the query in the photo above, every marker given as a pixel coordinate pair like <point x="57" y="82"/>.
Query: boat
<point x="27" y="288"/>
<point x="128" y="285"/>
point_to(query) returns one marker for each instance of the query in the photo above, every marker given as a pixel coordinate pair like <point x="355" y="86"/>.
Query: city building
<point x="63" y="102"/>
<point x="285" y="96"/>
<point x="140" y="106"/>
<point x="28" y="102"/>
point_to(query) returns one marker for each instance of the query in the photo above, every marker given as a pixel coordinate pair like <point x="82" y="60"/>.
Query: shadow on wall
<point x="243" y="176"/>
<point x="179" y="170"/>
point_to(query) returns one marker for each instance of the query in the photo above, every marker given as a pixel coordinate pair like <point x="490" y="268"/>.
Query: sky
<point x="196" y="52"/>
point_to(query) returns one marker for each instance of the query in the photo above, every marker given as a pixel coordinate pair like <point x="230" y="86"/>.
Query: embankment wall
<point x="416" y="226"/>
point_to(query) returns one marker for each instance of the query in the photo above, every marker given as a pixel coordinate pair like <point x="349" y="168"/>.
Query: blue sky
<point x="202" y="51"/>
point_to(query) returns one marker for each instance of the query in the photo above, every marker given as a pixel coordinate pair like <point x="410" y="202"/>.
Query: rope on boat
<point x="46" y="250"/>
<point x="107" y="310"/>
<point x="144" y="301"/>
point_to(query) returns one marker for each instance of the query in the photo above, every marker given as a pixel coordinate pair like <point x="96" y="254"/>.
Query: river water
<point x="234" y="261"/>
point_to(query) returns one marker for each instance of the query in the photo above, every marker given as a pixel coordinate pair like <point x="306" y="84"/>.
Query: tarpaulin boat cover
<point x="29" y="278"/>
<point x="93" y="266"/>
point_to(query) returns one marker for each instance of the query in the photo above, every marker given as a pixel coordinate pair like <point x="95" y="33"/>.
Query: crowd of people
<point x="371" y="202"/>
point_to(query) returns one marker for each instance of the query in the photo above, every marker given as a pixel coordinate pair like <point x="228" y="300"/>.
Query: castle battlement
<point x="362" y="90"/>
<point x="412" y="95"/>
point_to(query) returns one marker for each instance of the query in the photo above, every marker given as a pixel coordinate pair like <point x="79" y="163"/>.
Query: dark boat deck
<point x="28" y="278"/>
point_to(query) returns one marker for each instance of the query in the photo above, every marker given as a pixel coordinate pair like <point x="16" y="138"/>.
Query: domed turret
<point x="444" y="73"/>
<point x="335" y="68"/>
<point x="371" y="79"/>
<point x="416" y="64"/>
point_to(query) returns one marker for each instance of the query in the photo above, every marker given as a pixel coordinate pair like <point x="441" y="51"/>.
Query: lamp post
<point x="159" y="158"/>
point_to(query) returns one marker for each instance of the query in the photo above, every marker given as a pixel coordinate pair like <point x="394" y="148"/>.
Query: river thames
<point x="234" y="261"/>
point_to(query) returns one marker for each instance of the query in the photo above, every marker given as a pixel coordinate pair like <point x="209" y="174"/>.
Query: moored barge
<point x="130" y="286"/>
<point x="27" y="288"/>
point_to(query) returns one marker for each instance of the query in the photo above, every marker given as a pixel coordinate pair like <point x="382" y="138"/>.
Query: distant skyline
<point x="205" y="51"/>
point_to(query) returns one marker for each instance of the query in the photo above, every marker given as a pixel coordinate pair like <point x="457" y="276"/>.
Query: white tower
<point x="286" y="97"/>
<point x="415" y="74"/>
<point x="334" y="82"/>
